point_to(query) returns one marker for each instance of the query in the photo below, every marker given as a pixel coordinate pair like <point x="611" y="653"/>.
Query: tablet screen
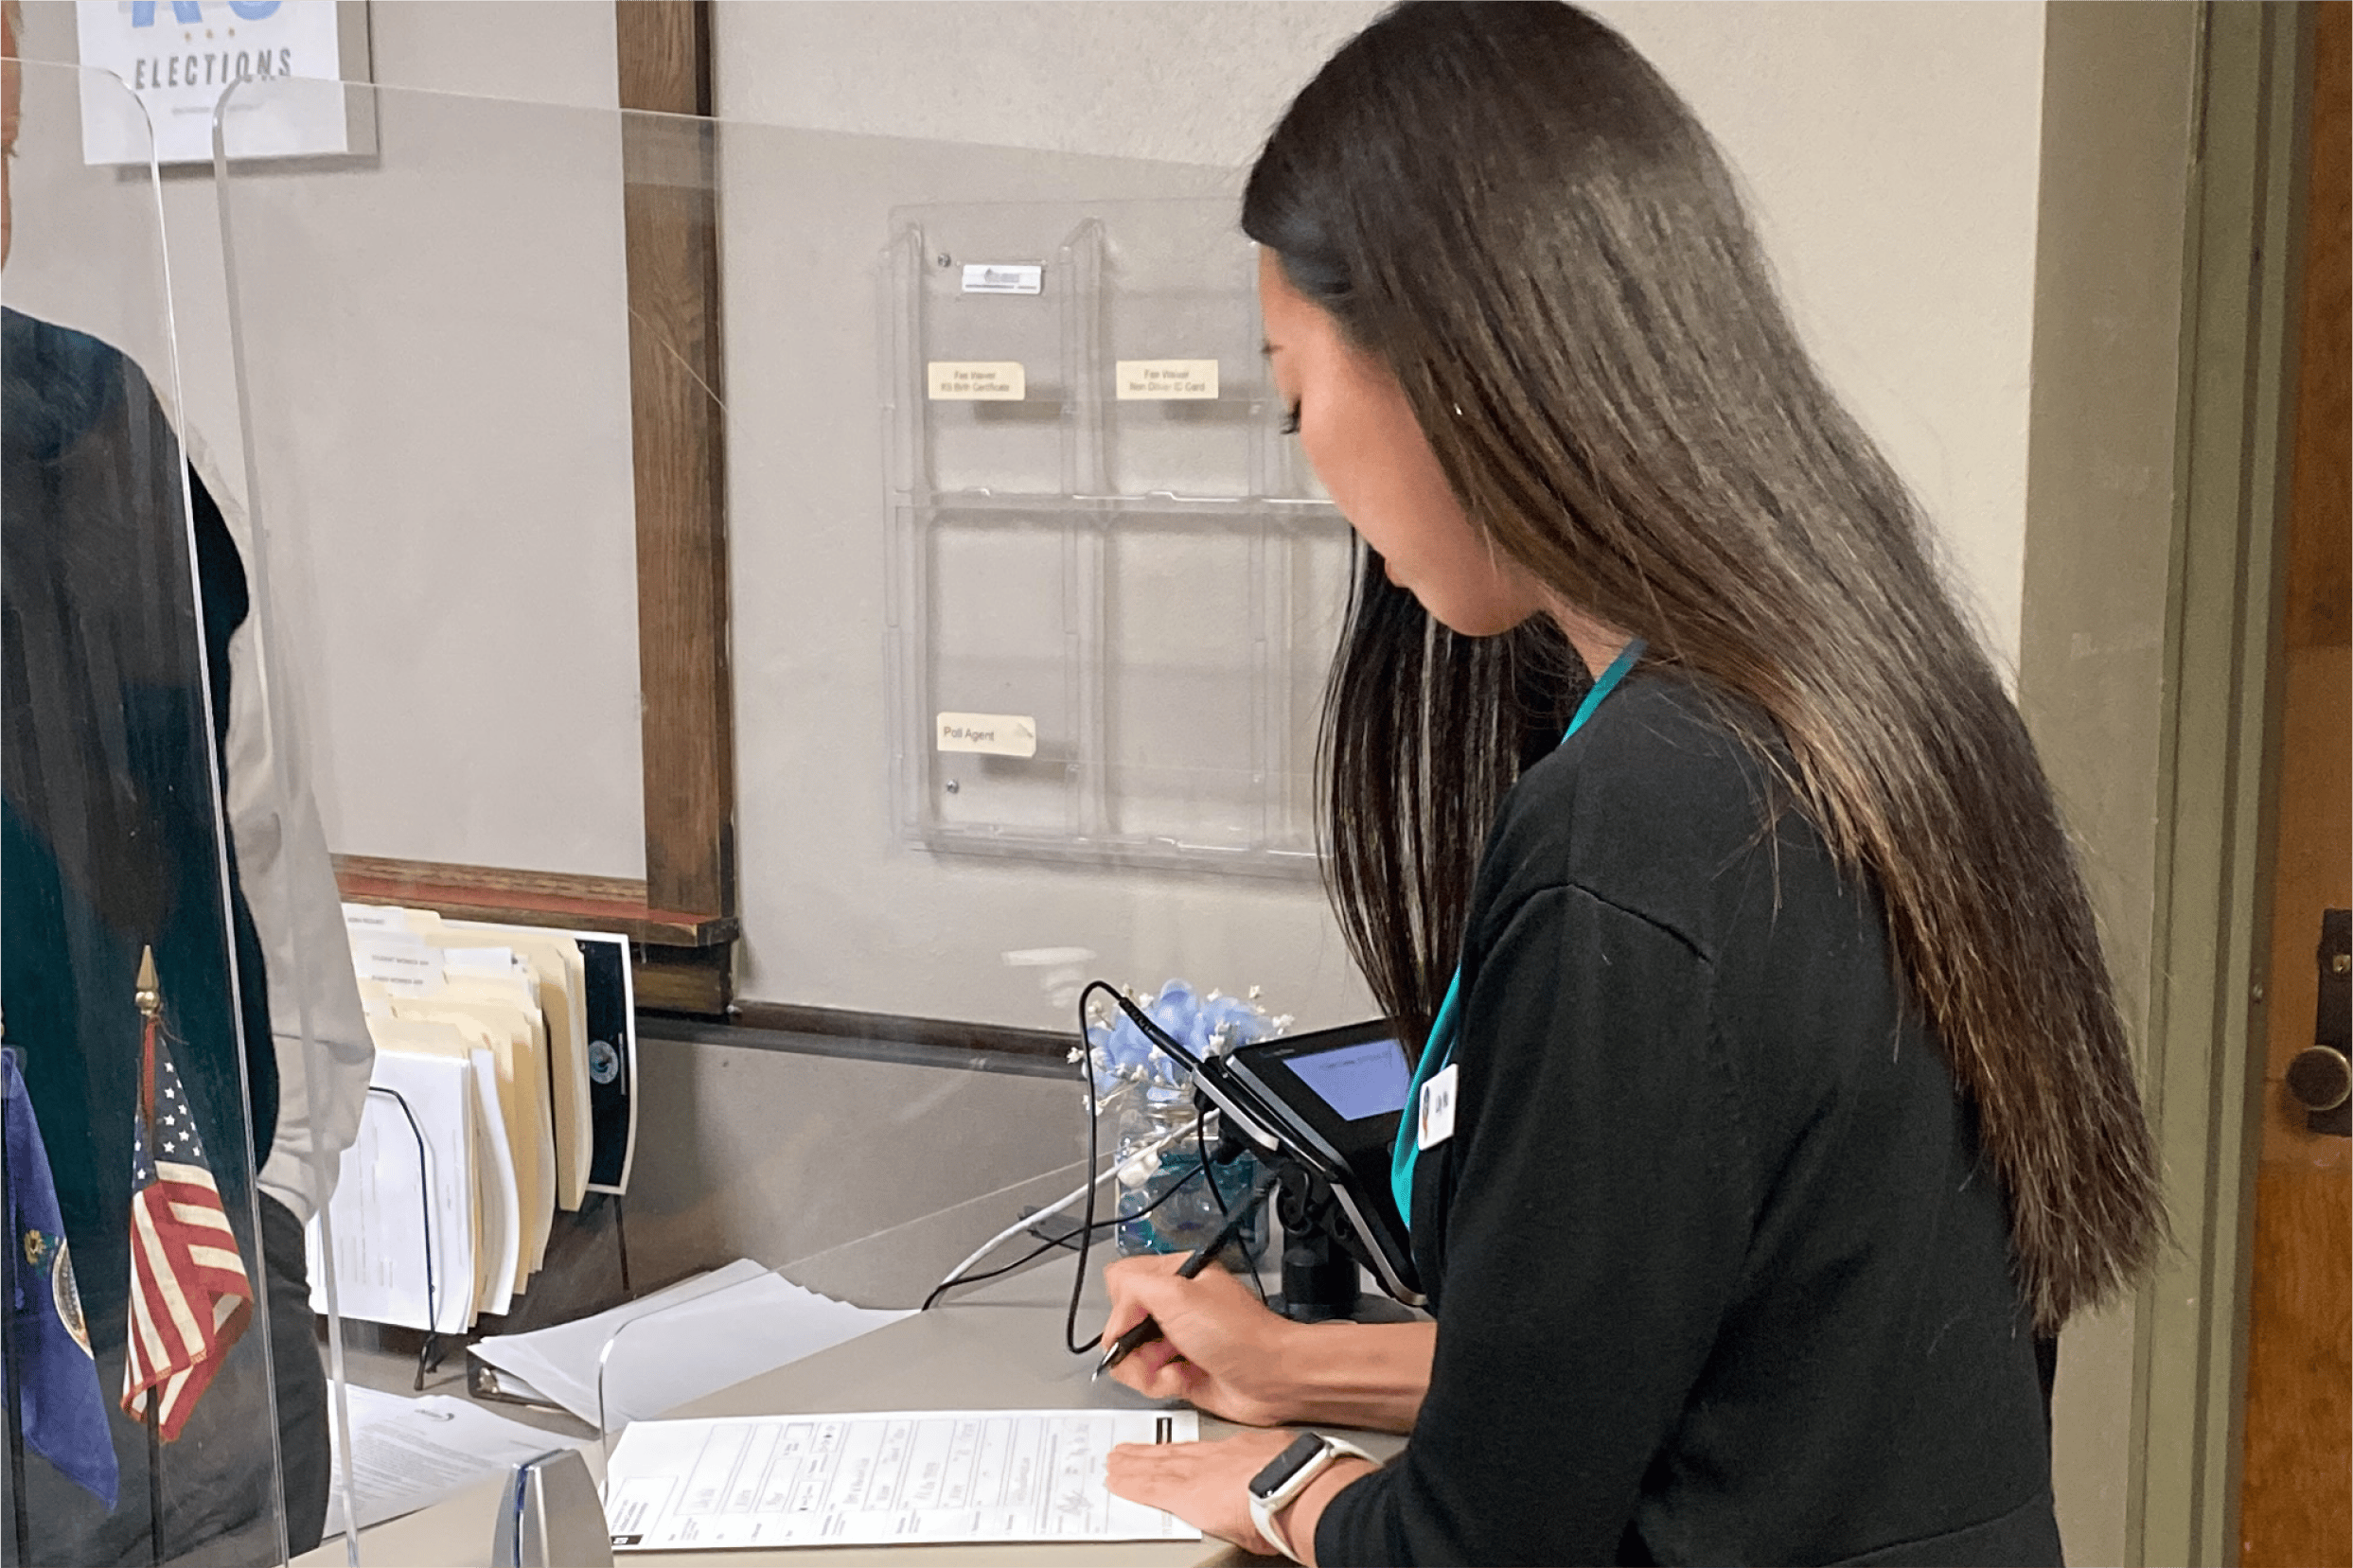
<point x="1369" y="1078"/>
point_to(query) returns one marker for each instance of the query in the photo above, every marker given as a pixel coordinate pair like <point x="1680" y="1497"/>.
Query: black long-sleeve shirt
<point x="1720" y="1275"/>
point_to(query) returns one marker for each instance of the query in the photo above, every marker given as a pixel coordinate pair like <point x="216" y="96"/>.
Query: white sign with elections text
<point x="180" y="56"/>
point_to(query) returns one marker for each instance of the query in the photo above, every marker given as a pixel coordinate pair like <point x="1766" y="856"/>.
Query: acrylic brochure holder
<point x="1114" y="586"/>
<point x="439" y="393"/>
<point x="160" y="1379"/>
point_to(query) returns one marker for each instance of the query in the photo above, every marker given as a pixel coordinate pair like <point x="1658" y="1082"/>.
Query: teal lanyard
<point x="1439" y="1050"/>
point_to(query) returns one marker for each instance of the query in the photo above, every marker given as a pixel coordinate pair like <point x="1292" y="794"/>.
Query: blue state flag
<point x="64" y="1412"/>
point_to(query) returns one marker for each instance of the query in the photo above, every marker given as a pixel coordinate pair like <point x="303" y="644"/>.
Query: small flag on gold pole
<point x="190" y="1297"/>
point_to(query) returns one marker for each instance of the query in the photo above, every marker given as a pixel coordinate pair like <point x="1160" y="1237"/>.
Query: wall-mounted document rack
<point x="1114" y="586"/>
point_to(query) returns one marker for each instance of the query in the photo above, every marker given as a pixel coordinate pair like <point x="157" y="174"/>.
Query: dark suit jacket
<point x="118" y="591"/>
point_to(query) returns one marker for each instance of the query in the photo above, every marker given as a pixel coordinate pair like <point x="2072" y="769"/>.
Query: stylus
<point x="1147" y="1331"/>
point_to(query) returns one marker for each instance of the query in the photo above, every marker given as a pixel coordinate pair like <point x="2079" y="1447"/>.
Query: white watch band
<point x="1264" y="1510"/>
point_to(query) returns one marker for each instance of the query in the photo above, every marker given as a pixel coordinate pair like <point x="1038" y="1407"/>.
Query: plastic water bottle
<point x="1186" y="1205"/>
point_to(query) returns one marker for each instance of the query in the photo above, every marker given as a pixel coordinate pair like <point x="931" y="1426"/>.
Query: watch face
<point x="1286" y="1464"/>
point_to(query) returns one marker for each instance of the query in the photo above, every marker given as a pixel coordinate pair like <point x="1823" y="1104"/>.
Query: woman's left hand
<point x="1208" y="1483"/>
<point x="1203" y="1484"/>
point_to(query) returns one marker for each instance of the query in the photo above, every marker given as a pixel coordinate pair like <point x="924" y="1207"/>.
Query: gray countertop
<point x="998" y="1347"/>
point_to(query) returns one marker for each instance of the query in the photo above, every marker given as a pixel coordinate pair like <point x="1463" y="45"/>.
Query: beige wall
<point x="1891" y="150"/>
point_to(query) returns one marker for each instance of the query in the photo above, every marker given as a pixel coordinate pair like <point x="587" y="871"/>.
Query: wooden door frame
<point x="2160" y="437"/>
<point x="682" y="912"/>
<point x="2214" y="840"/>
<point x="2211" y="939"/>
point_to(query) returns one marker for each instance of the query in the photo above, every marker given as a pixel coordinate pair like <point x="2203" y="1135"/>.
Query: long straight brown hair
<point x="1509" y="207"/>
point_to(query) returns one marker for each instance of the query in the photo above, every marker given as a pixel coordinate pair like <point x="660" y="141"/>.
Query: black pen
<point x="1147" y="1331"/>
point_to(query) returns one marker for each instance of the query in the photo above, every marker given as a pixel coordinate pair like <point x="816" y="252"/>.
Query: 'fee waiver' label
<point x="1157" y="380"/>
<point x="978" y="380"/>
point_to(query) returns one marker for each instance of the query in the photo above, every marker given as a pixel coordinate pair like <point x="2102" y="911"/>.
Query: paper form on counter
<point x="888" y="1477"/>
<point x="411" y="1453"/>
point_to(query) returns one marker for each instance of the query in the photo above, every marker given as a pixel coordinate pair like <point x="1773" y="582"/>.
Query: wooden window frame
<point x="682" y="912"/>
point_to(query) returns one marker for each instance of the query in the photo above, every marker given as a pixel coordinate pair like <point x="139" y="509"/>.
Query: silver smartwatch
<point x="1287" y="1474"/>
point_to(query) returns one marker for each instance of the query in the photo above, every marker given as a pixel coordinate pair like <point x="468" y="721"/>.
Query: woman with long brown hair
<point x="1773" y="1108"/>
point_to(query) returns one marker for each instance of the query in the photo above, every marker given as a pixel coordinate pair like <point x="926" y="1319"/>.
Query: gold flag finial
<point x="151" y="993"/>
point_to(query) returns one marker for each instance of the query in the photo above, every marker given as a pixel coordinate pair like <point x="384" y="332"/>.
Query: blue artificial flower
<point x="1121" y="1053"/>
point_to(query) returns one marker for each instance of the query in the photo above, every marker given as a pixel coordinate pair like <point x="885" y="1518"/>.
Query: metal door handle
<point x="2321" y="1076"/>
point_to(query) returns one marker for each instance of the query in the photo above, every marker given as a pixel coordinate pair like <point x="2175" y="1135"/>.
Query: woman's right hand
<point x="1219" y="1350"/>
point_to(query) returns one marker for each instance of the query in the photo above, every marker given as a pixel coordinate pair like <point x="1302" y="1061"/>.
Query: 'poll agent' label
<point x="1157" y="380"/>
<point x="991" y="734"/>
<point x="994" y="278"/>
<point x="978" y="380"/>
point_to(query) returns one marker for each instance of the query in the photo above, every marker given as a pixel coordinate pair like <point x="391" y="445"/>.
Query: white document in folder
<point x="406" y="1216"/>
<point x="884" y="1478"/>
<point x="517" y="1006"/>
<point x="499" y="1239"/>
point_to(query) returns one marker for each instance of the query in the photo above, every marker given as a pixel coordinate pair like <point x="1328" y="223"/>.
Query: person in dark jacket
<point x="1772" y="1109"/>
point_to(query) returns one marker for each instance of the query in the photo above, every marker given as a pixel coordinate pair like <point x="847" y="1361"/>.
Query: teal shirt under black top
<point x="1720" y="1275"/>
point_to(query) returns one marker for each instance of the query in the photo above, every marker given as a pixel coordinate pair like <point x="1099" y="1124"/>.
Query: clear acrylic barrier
<point x="436" y="347"/>
<point x="448" y="477"/>
<point x="672" y="1349"/>
<point x="161" y="1384"/>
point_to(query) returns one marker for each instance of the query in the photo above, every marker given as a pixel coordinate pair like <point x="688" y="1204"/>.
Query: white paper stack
<point x="698" y="1336"/>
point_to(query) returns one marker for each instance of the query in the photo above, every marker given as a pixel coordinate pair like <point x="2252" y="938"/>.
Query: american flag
<point x="189" y="1295"/>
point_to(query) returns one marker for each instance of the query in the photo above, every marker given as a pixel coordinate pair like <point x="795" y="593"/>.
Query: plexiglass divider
<point x="161" y="1385"/>
<point x="440" y="349"/>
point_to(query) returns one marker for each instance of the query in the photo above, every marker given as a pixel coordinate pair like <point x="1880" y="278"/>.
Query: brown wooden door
<point x="2296" y="1491"/>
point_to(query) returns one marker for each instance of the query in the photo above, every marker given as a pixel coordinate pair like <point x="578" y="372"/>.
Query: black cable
<point x="1051" y="1242"/>
<point x="1201" y="1142"/>
<point x="1176" y="1049"/>
<point x="1095" y="1117"/>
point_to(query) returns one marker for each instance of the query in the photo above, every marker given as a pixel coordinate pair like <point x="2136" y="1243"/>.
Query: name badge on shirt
<point x="1436" y="1117"/>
